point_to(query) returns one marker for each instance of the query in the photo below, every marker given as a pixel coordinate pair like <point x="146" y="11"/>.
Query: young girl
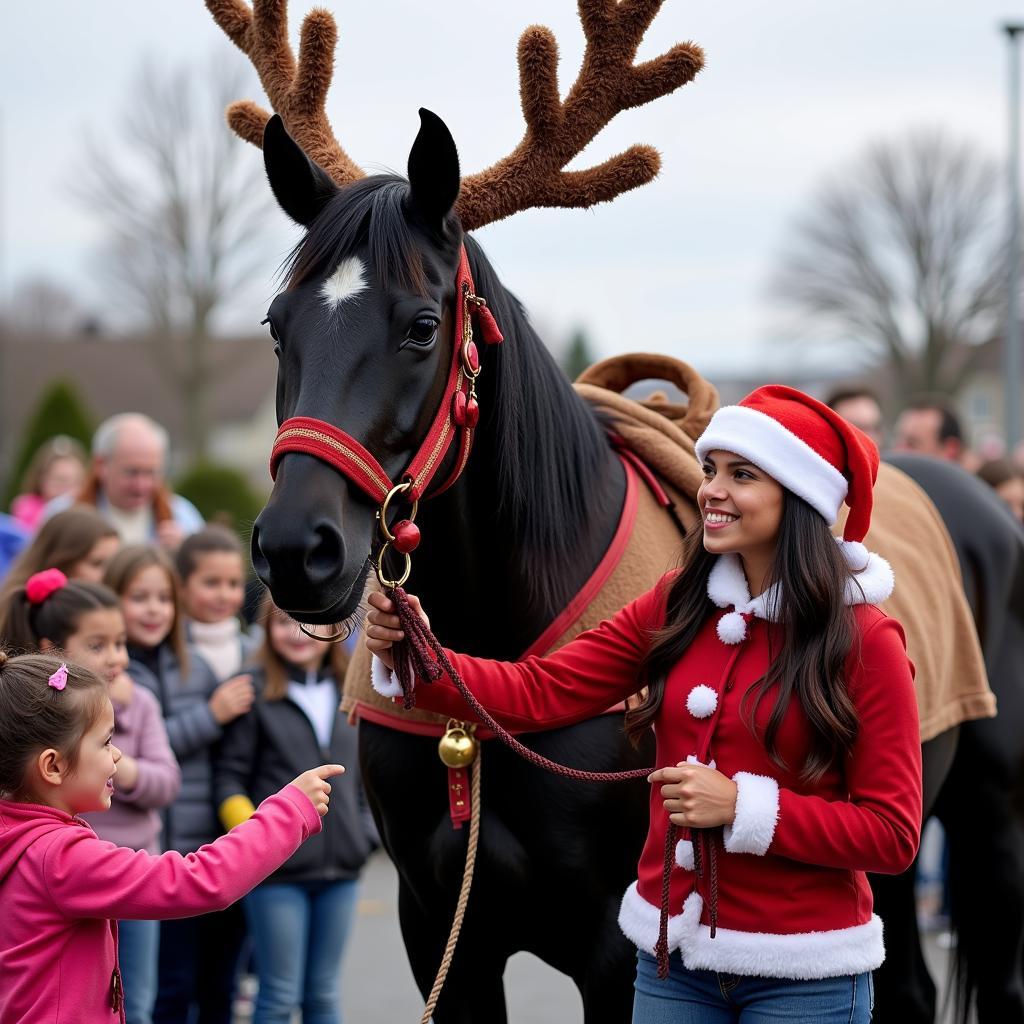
<point x="61" y="887"/>
<point x="197" y="958"/>
<point x="58" y="467"/>
<point x="84" y="622"/>
<point x="299" y="917"/>
<point x="212" y="591"/>
<point x="785" y="717"/>
<point x="78" y="541"/>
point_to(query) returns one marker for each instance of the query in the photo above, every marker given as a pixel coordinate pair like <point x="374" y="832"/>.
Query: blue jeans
<point x="706" y="997"/>
<point x="198" y="962"/>
<point x="137" y="945"/>
<point x="298" y="931"/>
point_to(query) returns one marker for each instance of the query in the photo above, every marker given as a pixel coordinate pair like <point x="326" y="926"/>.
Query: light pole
<point x="1011" y="347"/>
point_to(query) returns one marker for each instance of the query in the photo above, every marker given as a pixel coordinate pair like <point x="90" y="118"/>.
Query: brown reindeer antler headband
<point x="532" y="174"/>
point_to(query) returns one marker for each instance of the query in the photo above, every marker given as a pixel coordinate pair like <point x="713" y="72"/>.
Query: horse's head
<point x="361" y="325"/>
<point x="363" y="335"/>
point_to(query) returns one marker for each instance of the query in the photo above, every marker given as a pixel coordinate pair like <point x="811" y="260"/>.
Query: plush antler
<point x="297" y="89"/>
<point x="532" y="174"/>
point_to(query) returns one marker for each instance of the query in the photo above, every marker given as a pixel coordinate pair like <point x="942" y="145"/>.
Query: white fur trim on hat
<point x="383" y="680"/>
<point x="757" y="813"/>
<point x="701" y="701"/>
<point x="684" y="854"/>
<point x="731" y="628"/>
<point x="780" y="453"/>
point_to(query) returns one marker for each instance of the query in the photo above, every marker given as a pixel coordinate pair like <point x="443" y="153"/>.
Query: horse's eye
<point x="422" y="332"/>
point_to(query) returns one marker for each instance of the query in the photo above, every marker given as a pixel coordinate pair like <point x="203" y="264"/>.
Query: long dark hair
<point x="818" y="634"/>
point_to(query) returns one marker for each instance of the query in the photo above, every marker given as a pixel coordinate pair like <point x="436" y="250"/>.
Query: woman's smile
<point x="716" y="519"/>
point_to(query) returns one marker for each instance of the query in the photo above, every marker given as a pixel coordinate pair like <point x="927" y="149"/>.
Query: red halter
<point x="456" y="417"/>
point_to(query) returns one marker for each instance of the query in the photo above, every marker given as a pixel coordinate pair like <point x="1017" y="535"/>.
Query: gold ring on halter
<point x="338" y="637"/>
<point x="379" y="566"/>
<point x="382" y="515"/>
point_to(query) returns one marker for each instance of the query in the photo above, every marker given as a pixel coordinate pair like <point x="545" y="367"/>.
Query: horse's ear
<point x="301" y="187"/>
<point x="433" y="170"/>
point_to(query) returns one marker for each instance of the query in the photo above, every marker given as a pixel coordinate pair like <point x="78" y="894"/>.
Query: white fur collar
<point x="871" y="582"/>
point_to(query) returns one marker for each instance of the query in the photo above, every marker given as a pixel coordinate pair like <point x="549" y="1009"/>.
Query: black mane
<point x="548" y="447"/>
<point x="552" y="449"/>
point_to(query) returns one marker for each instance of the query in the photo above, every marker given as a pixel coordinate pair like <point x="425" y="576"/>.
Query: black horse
<point x="506" y="548"/>
<point x="363" y="331"/>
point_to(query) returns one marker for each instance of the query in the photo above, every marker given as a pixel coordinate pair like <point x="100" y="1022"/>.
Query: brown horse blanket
<point x="906" y="530"/>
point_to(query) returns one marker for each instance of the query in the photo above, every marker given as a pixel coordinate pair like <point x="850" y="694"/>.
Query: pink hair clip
<point x="59" y="679"/>
<point x="40" y="586"/>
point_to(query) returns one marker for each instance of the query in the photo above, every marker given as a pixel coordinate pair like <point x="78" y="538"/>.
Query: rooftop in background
<point x="119" y="374"/>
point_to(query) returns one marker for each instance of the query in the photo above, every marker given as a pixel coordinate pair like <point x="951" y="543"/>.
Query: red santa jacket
<point x="794" y="901"/>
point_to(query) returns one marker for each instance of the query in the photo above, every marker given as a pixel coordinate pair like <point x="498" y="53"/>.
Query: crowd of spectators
<point x="211" y="713"/>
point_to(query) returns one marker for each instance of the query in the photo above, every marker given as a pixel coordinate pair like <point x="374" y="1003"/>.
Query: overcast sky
<point x="792" y="91"/>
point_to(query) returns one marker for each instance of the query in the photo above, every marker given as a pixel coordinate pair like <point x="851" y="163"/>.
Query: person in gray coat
<point x="299" y="918"/>
<point x="199" y="955"/>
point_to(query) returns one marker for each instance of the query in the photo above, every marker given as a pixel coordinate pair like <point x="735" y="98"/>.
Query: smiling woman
<point x="795" y="768"/>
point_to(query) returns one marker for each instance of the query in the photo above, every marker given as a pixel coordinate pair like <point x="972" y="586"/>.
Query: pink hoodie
<point x="62" y="889"/>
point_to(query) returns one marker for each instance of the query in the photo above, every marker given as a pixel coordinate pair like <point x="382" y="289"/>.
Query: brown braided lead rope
<point x="467" y="883"/>
<point x="412" y="658"/>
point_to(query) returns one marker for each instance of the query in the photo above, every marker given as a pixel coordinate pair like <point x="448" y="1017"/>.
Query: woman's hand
<point x="383" y="628"/>
<point x="696" y="796"/>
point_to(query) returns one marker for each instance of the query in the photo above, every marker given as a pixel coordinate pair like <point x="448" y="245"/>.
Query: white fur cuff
<point x="757" y="813"/>
<point x="383" y="680"/>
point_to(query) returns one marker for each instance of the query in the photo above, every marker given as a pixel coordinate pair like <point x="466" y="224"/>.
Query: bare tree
<point x="904" y="255"/>
<point x="42" y="305"/>
<point x="183" y="202"/>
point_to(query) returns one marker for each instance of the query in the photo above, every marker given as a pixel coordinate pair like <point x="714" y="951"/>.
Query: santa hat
<point x="805" y="446"/>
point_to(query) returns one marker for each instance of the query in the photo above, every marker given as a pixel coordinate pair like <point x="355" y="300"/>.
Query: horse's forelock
<point x="370" y="213"/>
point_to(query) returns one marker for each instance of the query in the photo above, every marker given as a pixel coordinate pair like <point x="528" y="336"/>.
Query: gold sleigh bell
<point x="457" y="747"/>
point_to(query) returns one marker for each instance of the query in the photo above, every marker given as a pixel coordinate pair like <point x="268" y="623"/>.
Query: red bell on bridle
<point x="457" y="416"/>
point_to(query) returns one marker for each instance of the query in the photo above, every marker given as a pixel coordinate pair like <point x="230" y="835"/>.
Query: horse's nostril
<point x="326" y="555"/>
<point x="259" y="559"/>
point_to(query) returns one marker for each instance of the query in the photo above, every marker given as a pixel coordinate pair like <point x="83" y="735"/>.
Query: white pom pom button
<point x="684" y="854"/>
<point x="732" y="628"/>
<point x="702" y="701"/>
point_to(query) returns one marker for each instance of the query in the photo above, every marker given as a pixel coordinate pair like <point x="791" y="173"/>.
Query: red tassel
<point x="488" y="326"/>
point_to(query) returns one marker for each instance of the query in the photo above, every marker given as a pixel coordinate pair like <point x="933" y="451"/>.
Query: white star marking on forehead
<point x="346" y="281"/>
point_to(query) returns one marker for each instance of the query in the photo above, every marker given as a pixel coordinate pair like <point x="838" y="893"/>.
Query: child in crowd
<point x="212" y="573"/>
<point x="299" y="917"/>
<point x="58" y="467"/>
<point x="78" y="541"/>
<point x="198" y="956"/>
<point x="63" y="888"/>
<point x="83" y="620"/>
